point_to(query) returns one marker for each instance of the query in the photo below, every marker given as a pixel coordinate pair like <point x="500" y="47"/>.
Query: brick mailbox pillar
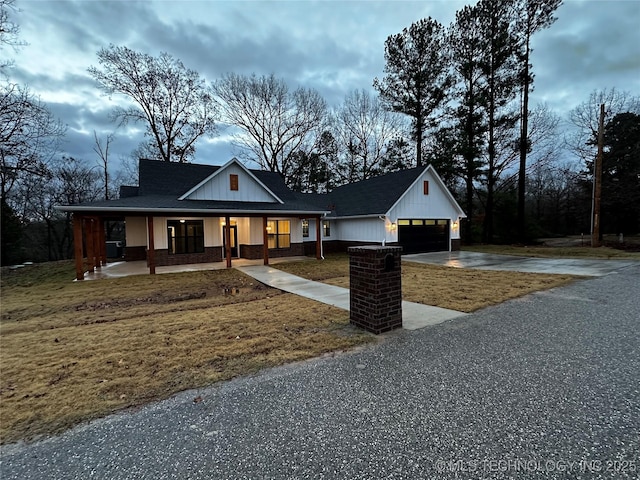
<point x="375" y="287"/>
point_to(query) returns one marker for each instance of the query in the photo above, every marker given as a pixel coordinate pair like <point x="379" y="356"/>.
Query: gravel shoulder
<point x="550" y="378"/>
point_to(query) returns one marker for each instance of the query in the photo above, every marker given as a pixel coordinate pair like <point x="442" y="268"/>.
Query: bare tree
<point x="102" y="150"/>
<point x="170" y="99"/>
<point x="585" y="118"/>
<point x="365" y="131"/>
<point x="9" y="30"/>
<point x="68" y="181"/>
<point x="29" y="136"/>
<point x="273" y="121"/>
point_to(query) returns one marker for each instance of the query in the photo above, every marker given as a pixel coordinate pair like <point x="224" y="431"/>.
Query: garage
<point x="423" y="235"/>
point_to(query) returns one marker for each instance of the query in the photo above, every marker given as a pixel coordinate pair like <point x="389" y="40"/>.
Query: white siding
<point x="415" y="204"/>
<point x="436" y="205"/>
<point x="312" y="230"/>
<point x="136" y="231"/>
<point x="255" y="231"/>
<point x="212" y="232"/>
<point x="218" y="188"/>
<point x="362" y="230"/>
<point x="160" y="232"/>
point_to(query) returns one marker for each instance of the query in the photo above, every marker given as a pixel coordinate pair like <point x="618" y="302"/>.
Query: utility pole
<point x="597" y="183"/>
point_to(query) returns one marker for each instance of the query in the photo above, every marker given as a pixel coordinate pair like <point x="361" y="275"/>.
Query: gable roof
<point x="443" y="187"/>
<point x="373" y="196"/>
<point x="233" y="161"/>
<point x="162" y="184"/>
<point x="170" y="178"/>
<point x="163" y="187"/>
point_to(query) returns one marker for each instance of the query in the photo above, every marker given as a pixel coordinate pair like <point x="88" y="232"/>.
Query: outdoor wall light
<point x="181" y="221"/>
<point x="393" y="226"/>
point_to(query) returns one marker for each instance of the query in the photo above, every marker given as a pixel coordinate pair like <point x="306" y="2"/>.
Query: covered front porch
<point x="156" y="243"/>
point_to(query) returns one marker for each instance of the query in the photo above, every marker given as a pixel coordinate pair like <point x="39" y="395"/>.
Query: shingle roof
<point x="374" y="196"/>
<point x="170" y="178"/>
<point x="162" y="183"/>
<point x="164" y="203"/>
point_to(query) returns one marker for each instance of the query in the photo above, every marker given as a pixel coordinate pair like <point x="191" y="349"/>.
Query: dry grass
<point x="459" y="289"/>
<point x="543" y="251"/>
<point x="76" y="351"/>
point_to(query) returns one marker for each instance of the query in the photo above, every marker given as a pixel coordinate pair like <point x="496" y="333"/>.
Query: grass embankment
<point x="72" y="351"/>
<point x="459" y="289"/>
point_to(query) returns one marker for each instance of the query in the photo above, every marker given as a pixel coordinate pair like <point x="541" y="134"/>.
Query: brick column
<point x="375" y="287"/>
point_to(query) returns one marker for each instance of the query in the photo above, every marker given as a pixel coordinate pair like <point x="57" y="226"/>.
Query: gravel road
<point x="545" y="386"/>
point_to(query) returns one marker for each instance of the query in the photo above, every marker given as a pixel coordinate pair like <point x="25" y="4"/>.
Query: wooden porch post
<point x="77" y="246"/>
<point x="102" y="241"/>
<point x="265" y="241"/>
<point x="151" y="249"/>
<point x="97" y="251"/>
<point x="91" y="257"/>
<point x="318" y="239"/>
<point x="227" y="240"/>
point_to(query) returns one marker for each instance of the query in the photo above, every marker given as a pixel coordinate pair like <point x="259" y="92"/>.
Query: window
<point x="305" y="227"/>
<point x="279" y="233"/>
<point x="425" y="187"/>
<point x="404" y="222"/>
<point x="326" y="228"/>
<point x="233" y="181"/>
<point x="185" y="236"/>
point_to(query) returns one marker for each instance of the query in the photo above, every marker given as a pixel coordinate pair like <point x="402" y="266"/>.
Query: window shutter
<point x="233" y="181"/>
<point x="426" y="187"/>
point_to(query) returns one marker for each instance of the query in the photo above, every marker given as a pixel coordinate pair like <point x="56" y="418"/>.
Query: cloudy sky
<point x="334" y="46"/>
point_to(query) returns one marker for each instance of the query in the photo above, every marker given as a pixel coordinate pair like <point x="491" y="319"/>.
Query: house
<point x="190" y="213"/>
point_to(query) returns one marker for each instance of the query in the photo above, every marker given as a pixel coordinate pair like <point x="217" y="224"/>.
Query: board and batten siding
<point x="435" y="205"/>
<point x="362" y="230"/>
<point x="218" y="188"/>
<point x="135" y="231"/>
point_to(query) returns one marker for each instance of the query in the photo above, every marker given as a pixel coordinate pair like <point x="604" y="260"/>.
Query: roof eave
<point x="73" y="208"/>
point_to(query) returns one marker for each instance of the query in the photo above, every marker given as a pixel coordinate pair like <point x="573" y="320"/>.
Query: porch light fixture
<point x="181" y="221"/>
<point x="393" y="226"/>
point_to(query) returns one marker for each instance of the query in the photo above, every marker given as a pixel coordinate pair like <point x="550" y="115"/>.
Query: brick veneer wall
<point x="133" y="254"/>
<point x="375" y="297"/>
<point x="254" y="252"/>
<point x="210" y="254"/>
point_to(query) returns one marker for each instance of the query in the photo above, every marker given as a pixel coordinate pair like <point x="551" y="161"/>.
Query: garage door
<point x="419" y="235"/>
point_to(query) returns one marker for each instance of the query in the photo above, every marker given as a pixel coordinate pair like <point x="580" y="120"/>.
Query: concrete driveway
<point x="488" y="261"/>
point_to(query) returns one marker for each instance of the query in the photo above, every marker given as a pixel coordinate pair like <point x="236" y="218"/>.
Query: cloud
<point x="331" y="46"/>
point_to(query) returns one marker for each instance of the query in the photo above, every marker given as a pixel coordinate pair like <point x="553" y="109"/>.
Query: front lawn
<point x="73" y="351"/>
<point x="465" y="290"/>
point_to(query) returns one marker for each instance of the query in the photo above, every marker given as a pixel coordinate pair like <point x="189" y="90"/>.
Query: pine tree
<point x="417" y="79"/>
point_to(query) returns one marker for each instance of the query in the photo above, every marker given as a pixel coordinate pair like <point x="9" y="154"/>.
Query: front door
<point x="233" y="238"/>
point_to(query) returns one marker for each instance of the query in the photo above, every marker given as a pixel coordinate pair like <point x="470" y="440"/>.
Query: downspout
<point x="384" y="219"/>
<point x="321" y="244"/>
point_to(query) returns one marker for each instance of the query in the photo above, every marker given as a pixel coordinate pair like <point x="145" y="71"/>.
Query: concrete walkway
<point x="414" y="315"/>
<point x="592" y="267"/>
